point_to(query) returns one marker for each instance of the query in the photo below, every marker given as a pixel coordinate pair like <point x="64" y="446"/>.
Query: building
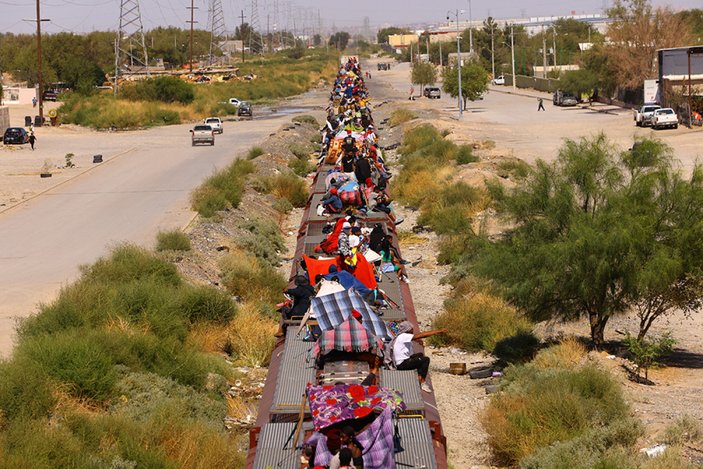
<point x="402" y="41"/>
<point x="680" y="80"/>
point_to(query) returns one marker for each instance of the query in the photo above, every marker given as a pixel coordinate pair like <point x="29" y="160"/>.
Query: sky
<point x="89" y="15"/>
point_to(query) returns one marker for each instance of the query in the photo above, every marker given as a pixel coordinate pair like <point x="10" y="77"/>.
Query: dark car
<point x="244" y="109"/>
<point x="50" y="95"/>
<point x="15" y="135"/>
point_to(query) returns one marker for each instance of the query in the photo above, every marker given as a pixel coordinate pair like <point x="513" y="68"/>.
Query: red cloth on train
<point x="329" y="245"/>
<point x="364" y="270"/>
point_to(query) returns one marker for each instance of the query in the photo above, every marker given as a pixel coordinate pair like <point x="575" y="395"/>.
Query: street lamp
<point x="471" y="32"/>
<point x="40" y="78"/>
<point x="458" y="58"/>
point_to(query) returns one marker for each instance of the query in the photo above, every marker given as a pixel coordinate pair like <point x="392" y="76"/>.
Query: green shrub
<point x="604" y="447"/>
<point x="251" y="278"/>
<point x="286" y="186"/>
<point x="74" y="359"/>
<point x="25" y="392"/>
<point x="174" y="240"/>
<point x="262" y="239"/>
<point x="164" y="89"/>
<point x="685" y="429"/>
<point x="539" y="407"/>
<point x="282" y="206"/>
<point x="465" y="155"/>
<point x="400" y="116"/>
<point x="517" y="169"/>
<point x="479" y="321"/>
<point x="204" y="303"/>
<point x="127" y="263"/>
<point x="646" y="352"/>
<point x="449" y="210"/>
<point x="255" y="152"/>
<point x="518" y="348"/>
<point x="306" y="119"/>
<point x="222" y="190"/>
<point x="301" y="167"/>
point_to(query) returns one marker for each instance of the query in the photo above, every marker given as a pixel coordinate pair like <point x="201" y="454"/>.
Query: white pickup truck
<point x="215" y="123"/>
<point x="665" y="117"/>
<point x="202" y="133"/>
<point x="643" y="116"/>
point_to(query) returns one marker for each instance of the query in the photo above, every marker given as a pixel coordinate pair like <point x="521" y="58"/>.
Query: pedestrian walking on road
<point x="412" y="92"/>
<point x="540" y="105"/>
<point x="32" y="139"/>
<point x="34" y="101"/>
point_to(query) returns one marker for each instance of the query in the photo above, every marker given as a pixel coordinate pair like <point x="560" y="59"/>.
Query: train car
<point x="339" y="374"/>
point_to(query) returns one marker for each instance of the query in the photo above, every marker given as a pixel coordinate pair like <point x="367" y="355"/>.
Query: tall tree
<point x="474" y="81"/>
<point x="424" y="73"/>
<point x="635" y="34"/>
<point x="598" y="233"/>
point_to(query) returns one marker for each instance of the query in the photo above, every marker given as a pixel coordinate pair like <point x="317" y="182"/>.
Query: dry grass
<point x="401" y="116"/>
<point x="569" y="353"/>
<point x="409" y="238"/>
<point x="250" y="278"/>
<point x="250" y="336"/>
<point x="207" y="337"/>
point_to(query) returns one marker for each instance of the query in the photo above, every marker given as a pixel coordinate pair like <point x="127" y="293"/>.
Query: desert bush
<point x="518" y="348"/>
<point x="74" y="359"/>
<point x="250" y="338"/>
<point x="515" y="168"/>
<point x="24" y="392"/>
<point x="262" y="239"/>
<point x="450" y="209"/>
<point x="646" y="352"/>
<point x="609" y="446"/>
<point x="306" y="119"/>
<point x="222" y="190"/>
<point x="164" y="89"/>
<point x="246" y="276"/>
<point x="567" y="354"/>
<point x="479" y="321"/>
<point x="685" y="429"/>
<point x="285" y="186"/>
<point x="401" y="116"/>
<point x="174" y="240"/>
<point x="465" y="155"/>
<point x="540" y="407"/>
<point x="205" y="303"/>
<point x="301" y="166"/>
<point x="255" y="152"/>
<point x="282" y="206"/>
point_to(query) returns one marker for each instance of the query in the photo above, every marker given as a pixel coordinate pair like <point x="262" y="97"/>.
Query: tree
<point x="424" y="73"/>
<point x="578" y="82"/>
<point x="339" y="40"/>
<point x="317" y="40"/>
<point x="598" y="233"/>
<point x="474" y="81"/>
<point x="635" y="34"/>
<point x="694" y="18"/>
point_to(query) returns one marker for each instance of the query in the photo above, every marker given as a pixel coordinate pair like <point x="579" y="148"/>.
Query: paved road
<point x="129" y="198"/>
<point x="513" y="122"/>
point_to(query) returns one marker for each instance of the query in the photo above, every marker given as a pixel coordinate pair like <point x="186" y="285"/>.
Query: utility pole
<point x="241" y="32"/>
<point x="493" y="52"/>
<point x="428" y="48"/>
<point x="512" y="53"/>
<point x="544" y="53"/>
<point x="440" y="54"/>
<point x="458" y="60"/>
<point x="554" y="44"/>
<point x="40" y="78"/>
<point x="192" y="22"/>
<point x="471" y="33"/>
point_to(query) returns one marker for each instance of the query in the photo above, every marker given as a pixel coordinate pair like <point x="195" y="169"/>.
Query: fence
<point x="548" y="85"/>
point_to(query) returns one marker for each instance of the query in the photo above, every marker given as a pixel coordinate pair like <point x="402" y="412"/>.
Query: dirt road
<point x="142" y="187"/>
<point x="512" y="120"/>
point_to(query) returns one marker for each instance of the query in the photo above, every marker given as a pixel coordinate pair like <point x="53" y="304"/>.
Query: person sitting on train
<point x="332" y="204"/>
<point x="402" y="355"/>
<point x="391" y="260"/>
<point x="383" y="204"/>
<point x="353" y="448"/>
<point x="347" y="280"/>
<point x="343" y="248"/>
<point x="300" y="295"/>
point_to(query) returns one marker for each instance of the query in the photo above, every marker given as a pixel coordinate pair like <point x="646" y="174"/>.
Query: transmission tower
<point x="130" y="46"/>
<point x="254" y="35"/>
<point x="217" y="28"/>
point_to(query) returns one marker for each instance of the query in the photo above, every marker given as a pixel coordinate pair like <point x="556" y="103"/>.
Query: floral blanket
<point x="334" y="404"/>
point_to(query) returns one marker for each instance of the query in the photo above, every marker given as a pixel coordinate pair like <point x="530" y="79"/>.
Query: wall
<point x="4" y="118"/>
<point x="548" y="85"/>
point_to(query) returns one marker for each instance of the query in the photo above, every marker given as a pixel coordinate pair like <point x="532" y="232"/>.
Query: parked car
<point x="432" y="92"/>
<point x="15" y="135"/>
<point x="499" y="80"/>
<point x="202" y="133"/>
<point x="50" y="95"/>
<point x="562" y="98"/>
<point x="665" y="117"/>
<point x="244" y="109"/>
<point x="643" y="116"/>
<point x="215" y="123"/>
